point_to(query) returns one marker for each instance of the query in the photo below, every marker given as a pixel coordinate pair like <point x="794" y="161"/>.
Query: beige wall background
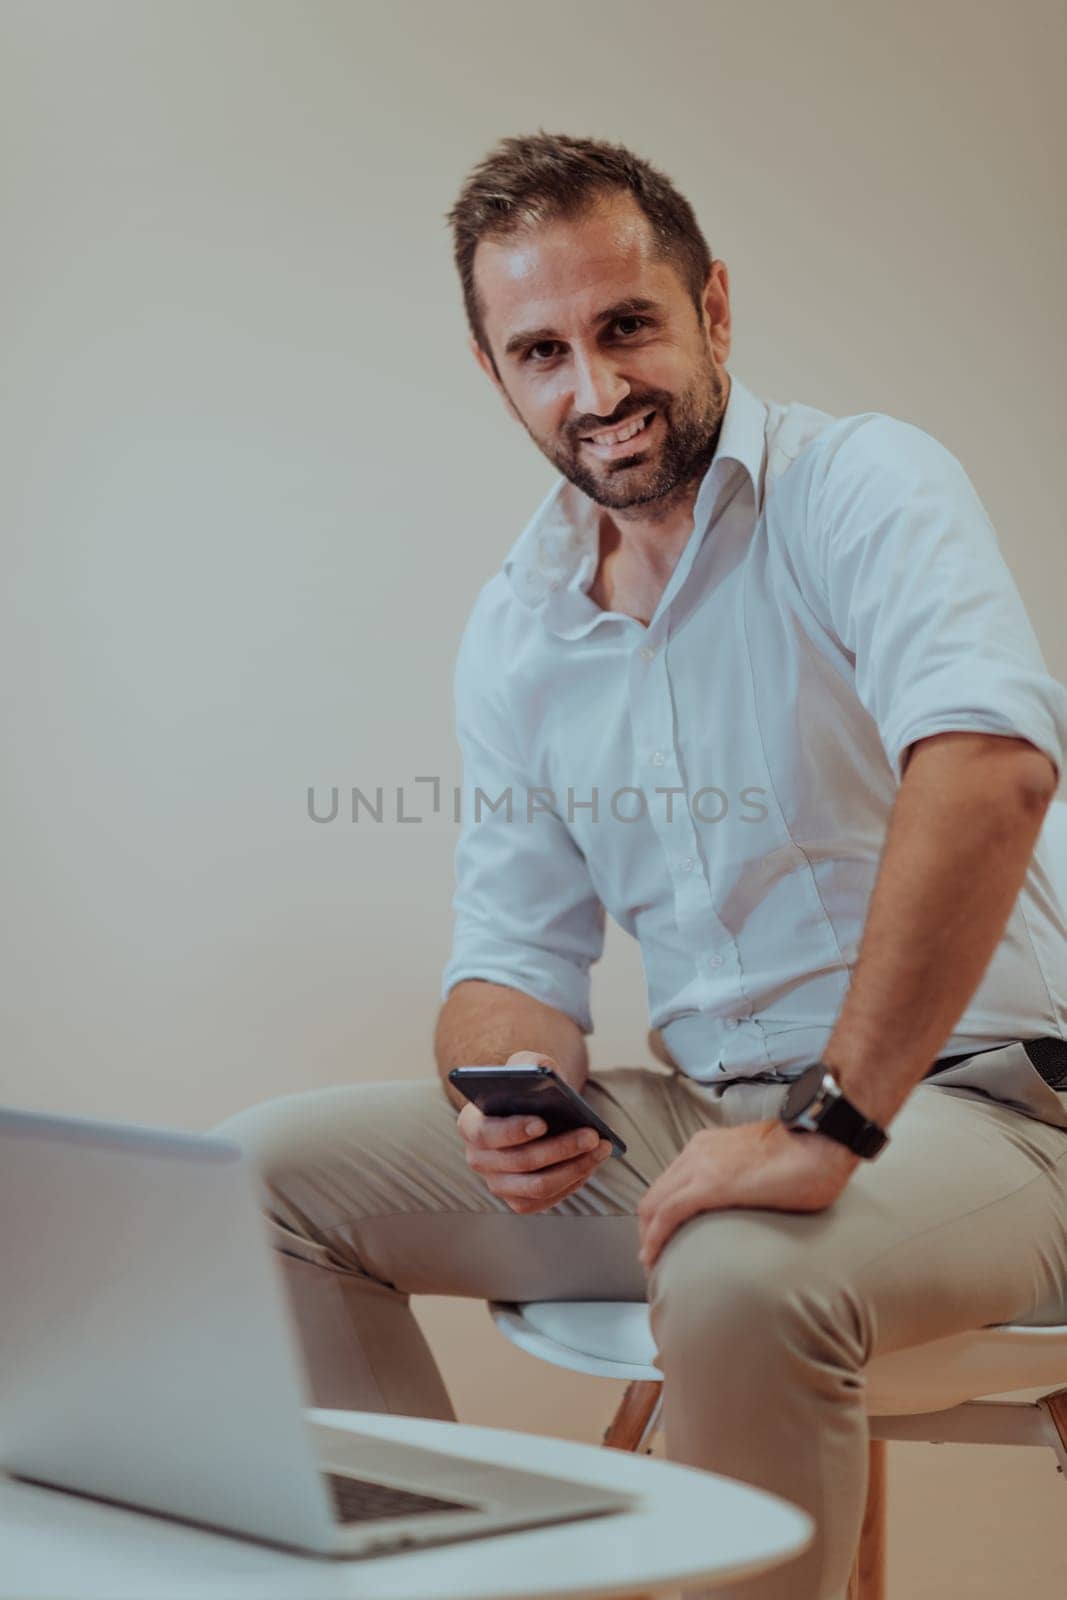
<point x="253" y="479"/>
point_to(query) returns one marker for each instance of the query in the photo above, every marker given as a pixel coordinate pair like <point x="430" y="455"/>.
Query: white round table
<point x="692" y="1527"/>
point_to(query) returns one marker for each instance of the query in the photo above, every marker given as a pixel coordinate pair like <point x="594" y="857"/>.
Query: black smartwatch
<point x="816" y="1104"/>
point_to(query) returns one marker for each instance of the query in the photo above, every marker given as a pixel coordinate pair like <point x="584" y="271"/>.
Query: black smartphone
<point x="531" y="1090"/>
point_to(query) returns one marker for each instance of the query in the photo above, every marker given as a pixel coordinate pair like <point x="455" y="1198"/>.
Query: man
<point x="757" y="681"/>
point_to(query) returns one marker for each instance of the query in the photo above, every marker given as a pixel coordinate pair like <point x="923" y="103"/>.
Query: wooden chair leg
<point x="867" y="1581"/>
<point x="1056" y="1406"/>
<point x="627" y="1427"/>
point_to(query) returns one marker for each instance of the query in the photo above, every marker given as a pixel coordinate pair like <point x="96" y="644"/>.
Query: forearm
<point x="959" y="841"/>
<point x="482" y="1024"/>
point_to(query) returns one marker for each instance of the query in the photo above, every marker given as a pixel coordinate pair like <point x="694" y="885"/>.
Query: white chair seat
<point x="613" y="1338"/>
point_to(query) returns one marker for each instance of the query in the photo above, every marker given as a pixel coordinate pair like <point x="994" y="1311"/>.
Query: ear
<point x="717" y="310"/>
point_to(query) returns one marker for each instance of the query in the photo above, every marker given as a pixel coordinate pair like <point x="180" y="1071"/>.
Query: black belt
<point x="1048" y="1057"/>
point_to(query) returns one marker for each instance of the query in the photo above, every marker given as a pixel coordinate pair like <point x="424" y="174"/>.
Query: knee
<point x="732" y="1289"/>
<point x="286" y="1138"/>
<point x="267" y="1132"/>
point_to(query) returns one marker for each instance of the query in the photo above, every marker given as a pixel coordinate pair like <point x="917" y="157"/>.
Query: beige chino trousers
<point x="763" y="1320"/>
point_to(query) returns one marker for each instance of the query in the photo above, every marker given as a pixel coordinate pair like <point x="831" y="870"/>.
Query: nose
<point x="598" y="389"/>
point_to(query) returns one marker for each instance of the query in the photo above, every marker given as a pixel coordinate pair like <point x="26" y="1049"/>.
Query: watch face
<point x="803" y="1091"/>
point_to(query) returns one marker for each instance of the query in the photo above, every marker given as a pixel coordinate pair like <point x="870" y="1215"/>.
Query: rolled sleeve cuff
<point x="551" y="979"/>
<point x="1038" y="714"/>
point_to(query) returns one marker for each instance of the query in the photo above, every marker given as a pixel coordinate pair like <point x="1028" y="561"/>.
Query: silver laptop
<point x="148" y="1356"/>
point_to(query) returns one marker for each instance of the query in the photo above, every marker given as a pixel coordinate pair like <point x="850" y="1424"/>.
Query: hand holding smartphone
<point x="531" y="1090"/>
<point x="530" y="1171"/>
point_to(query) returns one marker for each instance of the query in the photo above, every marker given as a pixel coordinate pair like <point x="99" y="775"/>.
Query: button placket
<point x="694" y="907"/>
<point x="652" y="709"/>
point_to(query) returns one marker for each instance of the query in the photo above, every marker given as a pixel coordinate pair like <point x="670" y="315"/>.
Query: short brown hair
<point x="533" y="179"/>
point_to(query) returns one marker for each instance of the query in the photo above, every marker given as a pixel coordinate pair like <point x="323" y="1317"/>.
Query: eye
<point x="641" y="321"/>
<point x="545" y="343"/>
<point x="549" y="344"/>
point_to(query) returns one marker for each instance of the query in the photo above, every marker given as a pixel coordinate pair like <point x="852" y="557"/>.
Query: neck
<point x="652" y="550"/>
<point x="634" y="571"/>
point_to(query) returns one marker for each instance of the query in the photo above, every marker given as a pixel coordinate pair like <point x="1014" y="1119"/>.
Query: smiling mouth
<point x="628" y="446"/>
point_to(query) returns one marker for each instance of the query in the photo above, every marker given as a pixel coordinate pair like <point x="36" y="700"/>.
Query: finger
<point x="536" y="1154"/>
<point x="654" y="1223"/>
<point x="544" y="1186"/>
<point x="498" y="1133"/>
<point x="659" y="1193"/>
<point x="529" y="1206"/>
<point x="469" y="1121"/>
<point x="665" y="1224"/>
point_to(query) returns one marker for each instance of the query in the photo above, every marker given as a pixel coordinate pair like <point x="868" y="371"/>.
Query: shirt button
<point x="688" y="864"/>
<point x="715" y="961"/>
<point x="646" y="652"/>
<point x="658" y="758"/>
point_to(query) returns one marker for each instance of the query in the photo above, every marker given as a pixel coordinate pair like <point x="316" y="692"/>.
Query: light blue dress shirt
<point x="720" y="783"/>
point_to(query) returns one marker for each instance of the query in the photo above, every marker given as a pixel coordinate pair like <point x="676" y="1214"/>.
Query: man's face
<point x="567" y="371"/>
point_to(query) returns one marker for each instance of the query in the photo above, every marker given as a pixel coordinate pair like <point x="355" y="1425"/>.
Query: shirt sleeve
<point x="525" y="911"/>
<point x="920" y="595"/>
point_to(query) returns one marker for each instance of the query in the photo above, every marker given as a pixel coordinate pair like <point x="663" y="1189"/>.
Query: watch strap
<point x="842" y="1121"/>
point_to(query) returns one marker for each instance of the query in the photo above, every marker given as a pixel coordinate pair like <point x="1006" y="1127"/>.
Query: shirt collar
<point x="553" y="561"/>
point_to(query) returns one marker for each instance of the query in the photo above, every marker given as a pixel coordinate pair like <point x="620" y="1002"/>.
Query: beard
<point x="663" y="473"/>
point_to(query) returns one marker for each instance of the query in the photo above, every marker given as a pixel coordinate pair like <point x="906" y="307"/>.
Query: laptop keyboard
<point x="361" y="1500"/>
